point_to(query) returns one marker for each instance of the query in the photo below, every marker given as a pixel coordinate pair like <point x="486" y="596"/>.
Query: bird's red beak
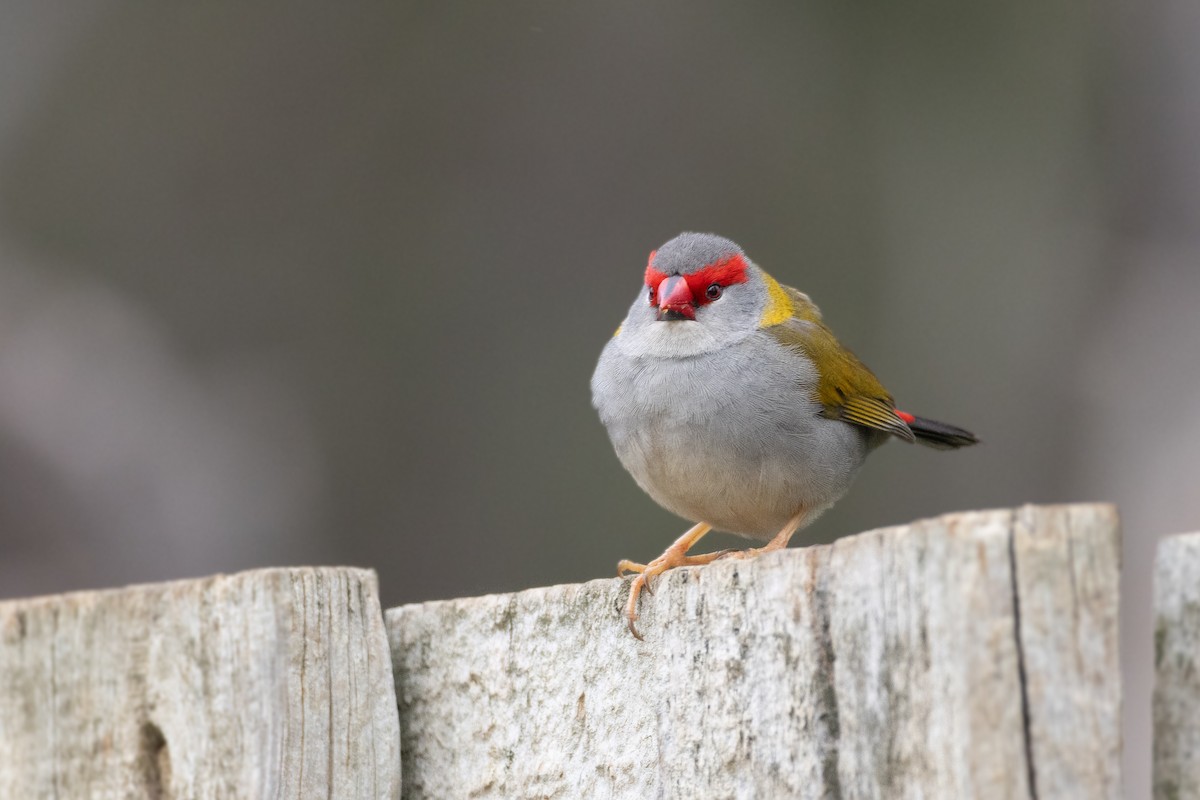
<point x="675" y="301"/>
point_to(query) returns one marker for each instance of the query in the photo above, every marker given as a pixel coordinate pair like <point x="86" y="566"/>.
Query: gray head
<point x="701" y="293"/>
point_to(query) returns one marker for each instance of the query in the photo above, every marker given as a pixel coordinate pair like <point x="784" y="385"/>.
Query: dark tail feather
<point x="940" y="435"/>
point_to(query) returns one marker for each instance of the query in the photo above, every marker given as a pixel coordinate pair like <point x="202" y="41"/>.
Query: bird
<point x="732" y="404"/>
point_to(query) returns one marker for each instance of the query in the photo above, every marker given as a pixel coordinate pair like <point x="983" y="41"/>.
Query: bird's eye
<point x="713" y="291"/>
<point x="650" y="295"/>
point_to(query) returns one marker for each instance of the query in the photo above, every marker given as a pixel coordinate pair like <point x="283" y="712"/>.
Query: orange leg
<point x="778" y="543"/>
<point x="674" y="556"/>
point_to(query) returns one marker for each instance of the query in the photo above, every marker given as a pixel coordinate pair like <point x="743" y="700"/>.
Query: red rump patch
<point x="725" y="272"/>
<point x="909" y="419"/>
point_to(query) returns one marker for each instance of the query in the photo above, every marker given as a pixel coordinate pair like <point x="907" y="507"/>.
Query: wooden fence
<point x="970" y="656"/>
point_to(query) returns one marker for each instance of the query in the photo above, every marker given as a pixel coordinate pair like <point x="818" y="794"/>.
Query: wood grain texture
<point x="970" y="656"/>
<point x="265" y="684"/>
<point x="1177" y="668"/>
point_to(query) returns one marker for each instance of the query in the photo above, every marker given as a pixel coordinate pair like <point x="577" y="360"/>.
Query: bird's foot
<point x="669" y="560"/>
<point x="674" y="556"/>
<point x="749" y="552"/>
<point x="626" y="567"/>
<point x="778" y="543"/>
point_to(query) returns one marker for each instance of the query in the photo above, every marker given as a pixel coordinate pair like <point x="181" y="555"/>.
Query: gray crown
<point x="689" y="252"/>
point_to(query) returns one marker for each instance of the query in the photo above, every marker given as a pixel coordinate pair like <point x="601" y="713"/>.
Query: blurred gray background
<point x="327" y="285"/>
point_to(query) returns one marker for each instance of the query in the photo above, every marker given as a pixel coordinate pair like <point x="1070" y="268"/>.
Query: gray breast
<point x="733" y="438"/>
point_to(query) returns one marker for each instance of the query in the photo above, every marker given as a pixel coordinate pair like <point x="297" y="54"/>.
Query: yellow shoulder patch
<point x="779" y="306"/>
<point x="617" y="332"/>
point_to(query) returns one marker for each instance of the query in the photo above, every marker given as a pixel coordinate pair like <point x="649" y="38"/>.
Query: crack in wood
<point x="154" y="762"/>
<point x="1022" y="678"/>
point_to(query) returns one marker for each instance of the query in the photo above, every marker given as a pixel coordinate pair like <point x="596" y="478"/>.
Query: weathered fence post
<point x="970" y="656"/>
<point x="266" y="684"/>
<point x="1177" y="669"/>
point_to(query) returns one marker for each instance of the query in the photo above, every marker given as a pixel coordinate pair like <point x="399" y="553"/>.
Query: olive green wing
<point x="846" y="388"/>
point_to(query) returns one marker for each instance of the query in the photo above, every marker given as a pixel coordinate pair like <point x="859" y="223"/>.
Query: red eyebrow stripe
<point x="653" y="276"/>
<point x="726" y="272"/>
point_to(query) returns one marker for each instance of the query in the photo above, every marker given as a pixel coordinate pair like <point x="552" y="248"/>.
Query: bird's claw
<point x="669" y="560"/>
<point x="635" y="633"/>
